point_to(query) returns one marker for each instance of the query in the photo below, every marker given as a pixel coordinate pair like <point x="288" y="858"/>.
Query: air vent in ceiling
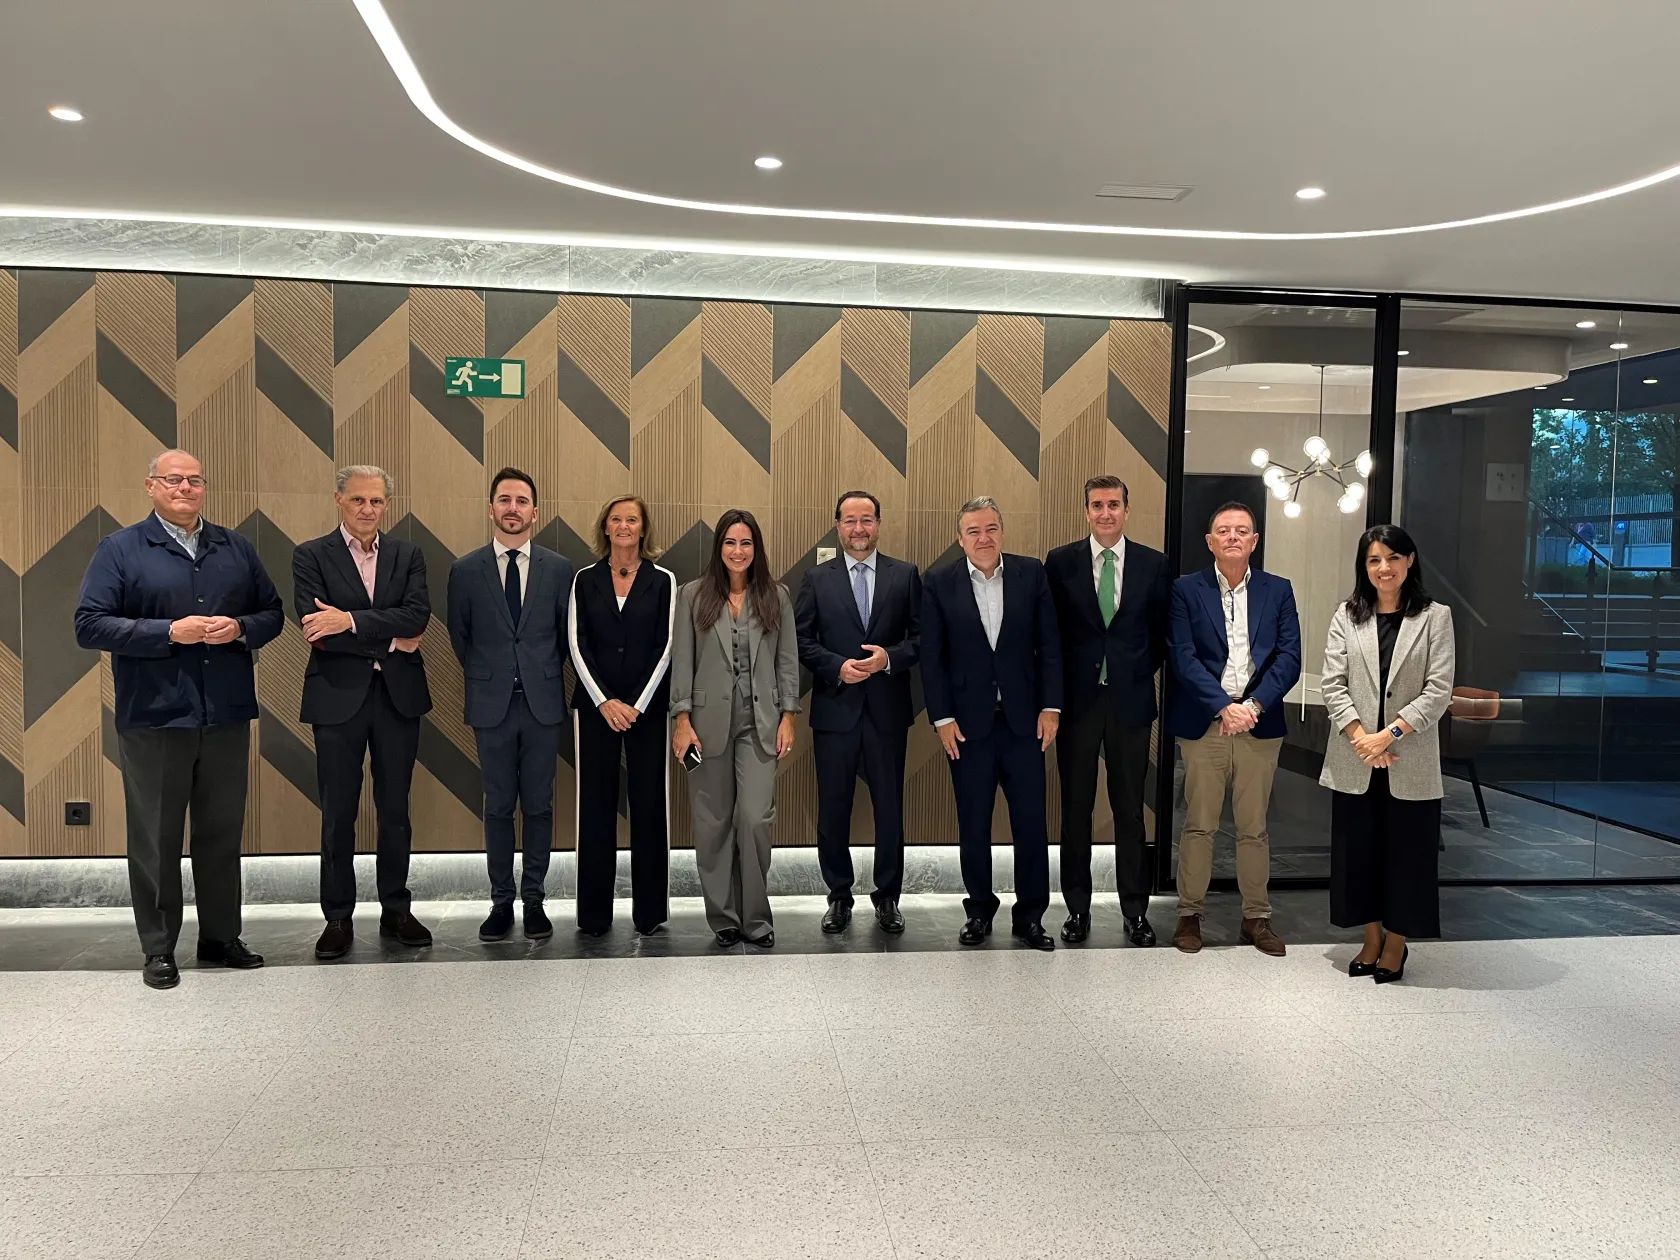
<point x="1144" y="192"/>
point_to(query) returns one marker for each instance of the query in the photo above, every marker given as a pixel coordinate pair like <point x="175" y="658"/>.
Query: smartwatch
<point x="1396" y="732"/>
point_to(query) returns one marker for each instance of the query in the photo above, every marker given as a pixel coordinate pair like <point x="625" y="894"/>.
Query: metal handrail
<point x="1436" y="579"/>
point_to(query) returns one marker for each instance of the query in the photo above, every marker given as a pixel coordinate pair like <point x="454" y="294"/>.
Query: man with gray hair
<point x="362" y="602"/>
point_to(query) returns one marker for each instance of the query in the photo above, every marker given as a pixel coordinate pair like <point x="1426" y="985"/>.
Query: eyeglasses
<point x="173" y="480"/>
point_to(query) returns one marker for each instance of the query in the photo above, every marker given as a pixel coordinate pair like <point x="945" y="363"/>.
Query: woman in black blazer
<point x="619" y="623"/>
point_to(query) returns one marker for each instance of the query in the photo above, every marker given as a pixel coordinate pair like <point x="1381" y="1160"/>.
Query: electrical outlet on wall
<point x="78" y="813"/>
<point x="1505" y="483"/>
<point x="825" y="554"/>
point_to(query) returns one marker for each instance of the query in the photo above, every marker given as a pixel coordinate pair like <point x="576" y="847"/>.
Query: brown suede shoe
<point x="1258" y="933"/>
<point x="1188" y="934"/>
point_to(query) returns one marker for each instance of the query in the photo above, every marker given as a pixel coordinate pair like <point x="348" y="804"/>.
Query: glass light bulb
<point x="1363" y="463"/>
<point x="1292" y="509"/>
<point x="1316" y="447"/>
<point x="1357" y="490"/>
<point x="1261" y="457"/>
<point x="1274" y="476"/>
<point x="1347" y="503"/>
<point x="1279" y="490"/>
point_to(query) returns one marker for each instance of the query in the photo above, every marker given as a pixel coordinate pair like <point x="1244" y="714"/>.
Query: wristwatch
<point x="1396" y="732"/>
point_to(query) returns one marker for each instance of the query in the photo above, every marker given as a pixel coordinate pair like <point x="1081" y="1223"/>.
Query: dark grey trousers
<point x="164" y="771"/>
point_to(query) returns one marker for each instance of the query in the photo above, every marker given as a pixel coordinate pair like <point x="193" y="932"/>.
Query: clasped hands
<point x="950" y="734"/>
<point x="1372" y="746"/>
<point x="1237" y="718"/>
<point x="204" y="630"/>
<point x="329" y="621"/>
<point x="856" y="671"/>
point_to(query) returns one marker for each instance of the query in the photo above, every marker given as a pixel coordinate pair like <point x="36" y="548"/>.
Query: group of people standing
<point x="1013" y="653"/>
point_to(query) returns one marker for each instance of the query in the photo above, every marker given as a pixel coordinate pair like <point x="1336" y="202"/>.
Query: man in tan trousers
<point x="1234" y="645"/>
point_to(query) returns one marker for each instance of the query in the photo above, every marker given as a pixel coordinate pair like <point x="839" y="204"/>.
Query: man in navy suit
<point x="507" y="623"/>
<point x="859" y="619"/>
<point x="1235" y="641"/>
<point x="1111" y="597"/>
<point x="992" y="677"/>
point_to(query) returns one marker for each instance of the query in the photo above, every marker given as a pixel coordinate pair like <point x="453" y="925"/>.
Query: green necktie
<point x="1106" y="601"/>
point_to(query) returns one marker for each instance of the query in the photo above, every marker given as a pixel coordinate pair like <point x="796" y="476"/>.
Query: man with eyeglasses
<point x="181" y="604"/>
<point x="1234" y="643"/>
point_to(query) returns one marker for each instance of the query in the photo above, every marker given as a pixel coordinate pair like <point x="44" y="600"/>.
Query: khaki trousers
<point x="1247" y="766"/>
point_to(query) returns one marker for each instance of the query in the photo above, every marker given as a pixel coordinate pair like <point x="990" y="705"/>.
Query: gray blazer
<point x="489" y="645"/>
<point x="703" y="673"/>
<point x="1420" y="682"/>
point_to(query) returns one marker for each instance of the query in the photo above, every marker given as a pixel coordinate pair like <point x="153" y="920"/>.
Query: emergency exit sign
<point x="484" y="378"/>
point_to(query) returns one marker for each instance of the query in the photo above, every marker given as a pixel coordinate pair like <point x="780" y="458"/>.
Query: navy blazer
<point x="139" y="580"/>
<point x="1196" y="641"/>
<point x="962" y="674"/>
<point x="490" y="647"/>
<point x="831" y="633"/>
<point x="1134" y="643"/>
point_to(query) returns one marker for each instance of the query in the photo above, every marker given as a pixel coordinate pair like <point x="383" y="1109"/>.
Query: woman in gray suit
<point x="734" y="690"/>
<point x="1388" y="677"/>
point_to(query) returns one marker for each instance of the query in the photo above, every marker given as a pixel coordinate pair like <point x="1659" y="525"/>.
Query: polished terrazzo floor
<point x="1513" y="1098"/>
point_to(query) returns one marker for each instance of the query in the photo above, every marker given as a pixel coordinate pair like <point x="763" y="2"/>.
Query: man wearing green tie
<point x="1112" y="596"/>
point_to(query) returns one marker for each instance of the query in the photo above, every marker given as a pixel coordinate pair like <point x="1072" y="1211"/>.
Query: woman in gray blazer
<point x="734" y="690"/>
<point x="1388" y="678"/>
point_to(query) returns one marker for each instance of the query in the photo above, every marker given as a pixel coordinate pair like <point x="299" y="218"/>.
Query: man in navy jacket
<point x="992" y="677"/>
<point x="1234" y="640"/>
<point x="180" y="604"/>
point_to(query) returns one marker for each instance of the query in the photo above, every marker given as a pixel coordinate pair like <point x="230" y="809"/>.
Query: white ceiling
<point x="1408" y="114"/>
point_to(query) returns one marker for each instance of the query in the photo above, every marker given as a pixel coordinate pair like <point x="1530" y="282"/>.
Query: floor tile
<point x="957" y="1083"/>
<point x="740" y="1091"/>
<point x="36" y="1001"/>
<point x="644" y="998"/>
<point x="464" y="1003"/>
<point x="420" y="1212"/>
<point x="88" y="1218"/>
<point x="791" y="1203"/>
<point x="955" y="991"/>
<point x="1119" y="987"/>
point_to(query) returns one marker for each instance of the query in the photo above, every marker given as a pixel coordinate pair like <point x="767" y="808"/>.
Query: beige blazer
<point x="703" y="672"/>
<point x="1420" y="682"/>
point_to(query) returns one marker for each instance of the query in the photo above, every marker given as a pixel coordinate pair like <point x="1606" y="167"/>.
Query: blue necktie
<point x="512" y="586"/>
<point x="860" y="592"/>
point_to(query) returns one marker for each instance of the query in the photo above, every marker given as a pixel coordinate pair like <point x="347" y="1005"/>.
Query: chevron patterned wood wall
<point x="698" y="406"/>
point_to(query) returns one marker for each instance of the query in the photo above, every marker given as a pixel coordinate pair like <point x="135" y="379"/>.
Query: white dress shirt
<point x="523" y="552"/>
<point x="988" y="599"/>
<point x="1119" y="550"/>
<point x="189" y="542"/>
<point x="1239" y="659"/>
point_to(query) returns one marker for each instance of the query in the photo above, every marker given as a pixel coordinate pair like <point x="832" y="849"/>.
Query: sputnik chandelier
<point x="1285" y="482"/>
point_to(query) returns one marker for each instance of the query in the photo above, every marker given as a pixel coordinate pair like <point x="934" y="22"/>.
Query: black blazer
<point x="341" y="665"/>
<point x="830" y="633"/>
<point x="1134" y="644"/>
<point x="962" y="675"/>
<point x="622" y="655"/>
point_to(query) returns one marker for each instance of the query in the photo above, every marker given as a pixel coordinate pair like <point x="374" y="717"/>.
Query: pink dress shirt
<point x="366" y="561"/>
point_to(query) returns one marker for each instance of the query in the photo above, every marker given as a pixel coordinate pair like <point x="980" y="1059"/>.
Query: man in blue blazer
<point x="507" y="623"/>
<point x="992" y="678"/>
<point x="1234" y="641"/>
<point x="859" y="619"/>
<point x="181" y="604"/>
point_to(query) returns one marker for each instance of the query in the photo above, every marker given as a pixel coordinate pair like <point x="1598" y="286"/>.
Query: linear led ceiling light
<point x="396" y="55"/>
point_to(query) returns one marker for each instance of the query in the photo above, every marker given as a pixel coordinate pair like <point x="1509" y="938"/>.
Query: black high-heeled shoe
<point x="1382" y="975"/>
<point x="1357" y="968"/>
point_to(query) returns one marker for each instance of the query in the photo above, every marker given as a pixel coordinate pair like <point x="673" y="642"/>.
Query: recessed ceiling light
<point x="66" y="113"/>
<point x="1403" y="352"/>
<point x="1586" y="323"/>
<point x="1539" y="387"/>
<point x="1618" y="345"/>
<point x="1650" y="380"/>
<point x="1309" y="194"/>
<point x="1566" y="400"/>
<point x="1265" y="387"/>
<point x="768" y="163"/>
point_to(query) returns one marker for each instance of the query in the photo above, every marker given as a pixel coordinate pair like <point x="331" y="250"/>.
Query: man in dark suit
<point x="507" y="621"/>
<point x="992" y="677"/>
<point x="859" y="621"/>
<point x="1111" y="602"/>
<point x="362" y="600"/>
<point x="180" y="604"/>
<point x="1235" y="640"/>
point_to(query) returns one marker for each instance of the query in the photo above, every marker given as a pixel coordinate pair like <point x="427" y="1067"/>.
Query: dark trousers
<point x="1125" y="750"/>
<point x="517" y="756"/>
<point x="1001" y="757"/>
<point x="838" y="756"/>
<point x="389" y="741"/>
<point x="1385" y="860"/>
<point x="647" y="760"/>
<point x="164" y="771"/>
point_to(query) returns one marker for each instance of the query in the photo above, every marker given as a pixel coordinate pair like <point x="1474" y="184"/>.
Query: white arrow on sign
<point x="488" y="376"/>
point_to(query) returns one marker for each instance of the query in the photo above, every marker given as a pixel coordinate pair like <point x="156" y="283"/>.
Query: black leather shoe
<point x="404" y="929"/>
<point x="537" y="926"/>
<point x="838" y="916"/>
<point x="888" y="916"/>
<point x="728" y="937"/>
<point x="1035" y="937"/>
<point x="498" y="925"/>
<point x="1077" y="928"/>
<point x="767" y="941"/>
<point x="1139" y="932"/>
<point x="336" y="940"/>
<point x="160" y="971"/>
<point x="1357" y="968"/>
<point x="1382" y="975"/>
<point x="975" y="932"/>
<point x="232" y="953"/>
